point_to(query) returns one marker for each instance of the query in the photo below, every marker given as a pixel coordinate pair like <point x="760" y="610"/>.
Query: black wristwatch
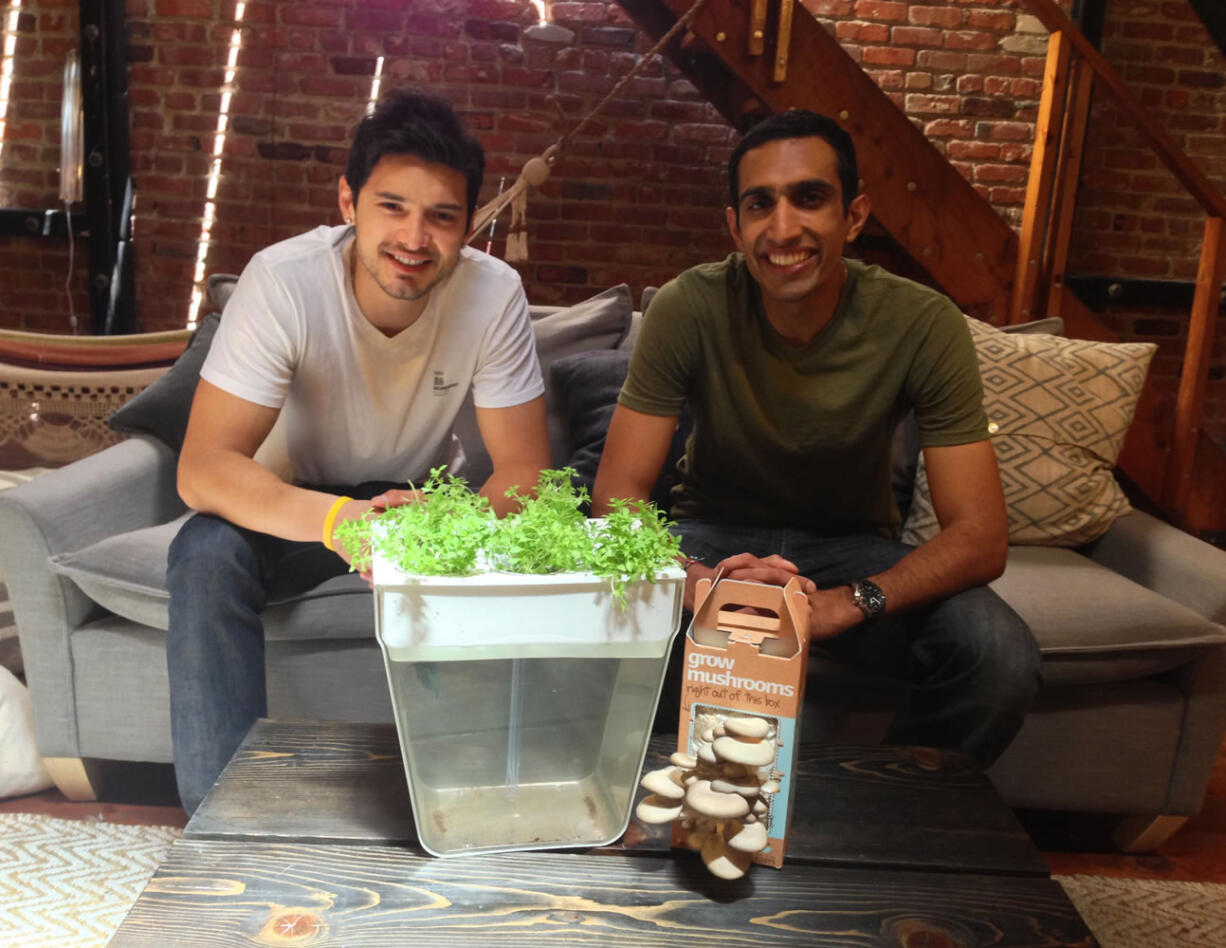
<point x="868" y="598"/>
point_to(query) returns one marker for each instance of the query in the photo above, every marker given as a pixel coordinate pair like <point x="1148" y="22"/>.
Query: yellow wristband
<point x="331" y="519"/>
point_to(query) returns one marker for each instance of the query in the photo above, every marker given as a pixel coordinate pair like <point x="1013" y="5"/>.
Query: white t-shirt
<point x="356" y="405"/>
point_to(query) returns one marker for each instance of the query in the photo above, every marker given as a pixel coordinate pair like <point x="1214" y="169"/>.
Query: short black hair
<point x="799" y="123"/>
<point x="405" y="122"/>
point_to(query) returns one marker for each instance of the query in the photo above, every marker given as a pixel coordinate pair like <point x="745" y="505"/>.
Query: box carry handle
<point x="764" y="632"/>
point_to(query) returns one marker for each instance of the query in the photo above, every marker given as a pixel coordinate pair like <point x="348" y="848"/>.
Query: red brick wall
<point x="637" y="200"/>
<point x="968" y="73"/>
<point x="641" y="196"/>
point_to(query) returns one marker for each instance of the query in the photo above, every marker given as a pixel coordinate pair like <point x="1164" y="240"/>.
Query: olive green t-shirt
<point x="800" y="435"/>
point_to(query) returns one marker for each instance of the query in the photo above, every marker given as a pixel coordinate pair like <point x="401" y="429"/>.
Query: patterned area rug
<point x="1144" y="913"/>
<point x="69" y="883"/>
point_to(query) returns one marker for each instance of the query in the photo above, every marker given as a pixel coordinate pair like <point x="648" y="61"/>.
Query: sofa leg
<point x="1143" y="834"/>
<point x="74" y="777"/>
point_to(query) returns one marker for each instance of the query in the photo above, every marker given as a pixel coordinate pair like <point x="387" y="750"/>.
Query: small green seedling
<point x="454" y="532"/>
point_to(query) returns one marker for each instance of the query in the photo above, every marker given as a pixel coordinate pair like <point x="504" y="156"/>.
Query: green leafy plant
<point x="548" y="534"/>
<point x="453" y="532"/>
<point x="441" y="536"/>
<point x="632" y="543"/>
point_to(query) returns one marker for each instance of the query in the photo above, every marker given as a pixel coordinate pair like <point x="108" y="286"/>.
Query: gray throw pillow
<point x="600" y="322"/>
<point x="162" y="409"/>
<point x="587" y="385"/>
<point x="220" y="287"/>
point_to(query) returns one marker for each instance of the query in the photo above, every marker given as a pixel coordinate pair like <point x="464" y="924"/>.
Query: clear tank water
<point x="523" y="753"/>
<point x="523" y="704"/>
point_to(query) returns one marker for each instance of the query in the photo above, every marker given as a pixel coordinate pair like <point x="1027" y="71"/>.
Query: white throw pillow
<point x="21" y="768"/>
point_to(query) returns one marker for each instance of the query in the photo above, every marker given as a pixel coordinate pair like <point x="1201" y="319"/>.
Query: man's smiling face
<point x="789" y="219"/>
<point x="410" y="223"/>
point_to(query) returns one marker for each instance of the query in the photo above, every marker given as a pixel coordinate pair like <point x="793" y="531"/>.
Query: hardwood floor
<point x="1070" y="842"/>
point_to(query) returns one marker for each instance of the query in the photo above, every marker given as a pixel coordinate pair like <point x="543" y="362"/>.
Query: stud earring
<point x="348" y="220"/>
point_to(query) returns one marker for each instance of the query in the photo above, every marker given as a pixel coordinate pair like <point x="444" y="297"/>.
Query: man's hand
<point x="357" y="509"/>
<point x="832" y="612"/>
<point x="396" y="498"/>
<point x="773" y="570"/>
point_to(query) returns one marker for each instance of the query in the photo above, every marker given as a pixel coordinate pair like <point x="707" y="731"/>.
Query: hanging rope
<point x="536" y="170"/>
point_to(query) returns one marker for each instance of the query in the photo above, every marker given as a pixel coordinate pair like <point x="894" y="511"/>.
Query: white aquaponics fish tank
<point x="523" y="703"/>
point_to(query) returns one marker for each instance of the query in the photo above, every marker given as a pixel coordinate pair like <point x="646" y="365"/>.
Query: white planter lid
<point x="513" y="615"/>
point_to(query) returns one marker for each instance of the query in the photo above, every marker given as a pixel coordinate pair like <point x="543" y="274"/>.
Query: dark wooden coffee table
<point x="308" y="839"/>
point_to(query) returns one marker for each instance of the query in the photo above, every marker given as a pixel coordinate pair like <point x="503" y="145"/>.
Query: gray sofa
<point x="1128" y="721"/>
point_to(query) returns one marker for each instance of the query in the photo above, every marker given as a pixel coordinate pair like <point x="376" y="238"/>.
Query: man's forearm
<point x="608" y="489"/>
<point x="952" y="561"/>
<point x="521" y="476"/>
<point x="246" y="493"/>
<point x="958" y="557"/>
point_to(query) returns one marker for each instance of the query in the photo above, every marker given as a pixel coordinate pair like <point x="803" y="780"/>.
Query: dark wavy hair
<point x="405" y="122"/>
<point x="799" y="123"/>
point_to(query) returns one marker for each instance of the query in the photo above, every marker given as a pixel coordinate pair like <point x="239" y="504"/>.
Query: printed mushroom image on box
<point x="721" y="794"/>
<point x="728" y="789"/>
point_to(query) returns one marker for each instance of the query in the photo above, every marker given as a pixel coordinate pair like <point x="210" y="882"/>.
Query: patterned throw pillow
<point x="1058" y="410"/>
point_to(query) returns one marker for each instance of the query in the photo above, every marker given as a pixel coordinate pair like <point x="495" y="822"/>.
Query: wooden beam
<point x="1197" y="184"/>
<point x="1039" y="187"/>
<point x="1197" y="355"/>
<point x="757" y="28"/>
<point x="783" y="39"/>
<point x="1068" y="172"/>
<point x="1207" y="500"/>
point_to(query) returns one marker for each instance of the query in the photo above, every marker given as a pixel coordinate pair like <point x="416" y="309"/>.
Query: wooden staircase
<point x="921" y="205"/>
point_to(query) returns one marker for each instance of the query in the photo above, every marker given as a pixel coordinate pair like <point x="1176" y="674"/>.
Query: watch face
<point x="869" y="598"/>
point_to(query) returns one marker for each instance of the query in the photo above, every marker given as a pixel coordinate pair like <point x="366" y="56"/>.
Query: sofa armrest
<point x="1203" y="683"/>
<point x="125" y="487"/>
<point x="1167" y="560"/>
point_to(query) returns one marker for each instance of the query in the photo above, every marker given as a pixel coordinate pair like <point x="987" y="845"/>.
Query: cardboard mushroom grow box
<point x="729" y="788"/>
<point x="523" y="702"/>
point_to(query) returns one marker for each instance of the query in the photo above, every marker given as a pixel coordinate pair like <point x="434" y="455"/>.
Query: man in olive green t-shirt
<point x="797" y="366"/>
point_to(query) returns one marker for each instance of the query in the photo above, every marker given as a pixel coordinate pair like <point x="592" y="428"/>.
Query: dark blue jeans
<point x="970" y="661"/>
<point x="220" y="577"/>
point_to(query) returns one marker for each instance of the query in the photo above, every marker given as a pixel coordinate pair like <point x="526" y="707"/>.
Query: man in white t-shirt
<point x="342" y="359"/>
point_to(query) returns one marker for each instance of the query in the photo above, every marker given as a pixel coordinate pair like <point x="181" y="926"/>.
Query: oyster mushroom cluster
<point x="721" y="794"/>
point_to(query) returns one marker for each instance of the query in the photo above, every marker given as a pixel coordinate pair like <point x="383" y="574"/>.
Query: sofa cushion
<point x="1058" y="410"/>
<point x="600" y="322"/>
<point x="1094" y="625"/>
<point x="162" y="409"/>
<point x="126" y="574"/>
<point x="587" y="385"/>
